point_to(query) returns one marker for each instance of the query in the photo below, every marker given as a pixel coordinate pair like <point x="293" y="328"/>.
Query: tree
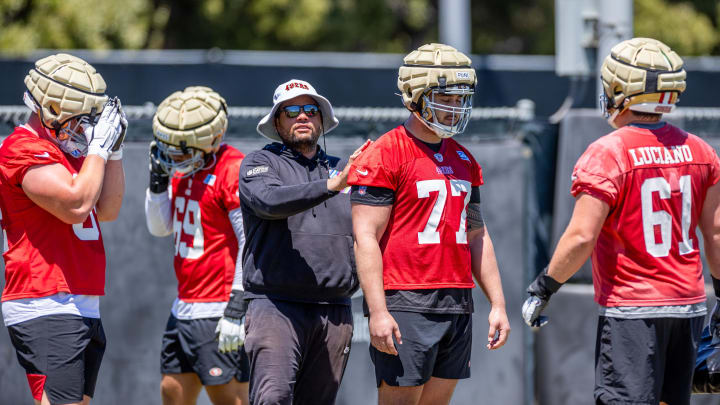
<point x="678" y="24"/>
<point x="498" y="26"/>
<point x="66" y="24"/>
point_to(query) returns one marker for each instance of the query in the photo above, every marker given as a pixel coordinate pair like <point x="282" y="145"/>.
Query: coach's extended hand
<point x="540" y="291"/>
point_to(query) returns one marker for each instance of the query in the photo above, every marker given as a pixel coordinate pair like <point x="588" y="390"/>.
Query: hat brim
<point x="266" y="126"/>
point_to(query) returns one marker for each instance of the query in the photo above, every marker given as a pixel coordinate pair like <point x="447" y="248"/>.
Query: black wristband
<point x="237" y="306"/>
<point x="158" y="182"/>
<point x="716" y="286"/>
<point x="544" y="286"/>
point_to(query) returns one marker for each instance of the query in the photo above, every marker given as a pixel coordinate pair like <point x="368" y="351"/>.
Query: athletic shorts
<point x="61" y="355"/>
<point x="645" y="361"/>
<point x="190" y="346"/>
<point x="434" y="345"/>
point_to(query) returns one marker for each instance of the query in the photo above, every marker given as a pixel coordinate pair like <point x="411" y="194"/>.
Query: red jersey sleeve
<point x="714" y="168"/>
<point x="374" y="167"/>
<point x="228" y="190"/>
<point x="596" y="173"/>
<point x="20" y="155"/>
<point x="475" y="169"/>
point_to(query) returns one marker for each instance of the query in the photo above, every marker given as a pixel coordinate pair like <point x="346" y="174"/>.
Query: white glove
<point x="231" y="334"/>
<point x="103" y="136"/>
<point x="117" y="149"/>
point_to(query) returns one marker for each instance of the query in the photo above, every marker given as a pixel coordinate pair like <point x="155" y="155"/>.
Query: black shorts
<point x="61" y="355"/>
<point x="190" y="346"/>
<point x="434" y="345"/>
<point x="645" y="361"/>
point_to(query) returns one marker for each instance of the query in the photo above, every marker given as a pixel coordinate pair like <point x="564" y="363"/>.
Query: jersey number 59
<point x="188" y="221"/>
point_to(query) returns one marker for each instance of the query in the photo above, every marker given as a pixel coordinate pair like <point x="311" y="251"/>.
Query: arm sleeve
<point x="158" y="216"/>
<point x="376" y="167"/>
<point x="228" y="187"/>
<point x="475" y="195"/>
<point x="714" y="167"/>
<point x="20" y="157"/>
<point x="476" y="175"/>
<point x="595" y="173"/>
<point x="369" y="195"/>
<point x="264" y="191"/>
<point x="237" y="225"/>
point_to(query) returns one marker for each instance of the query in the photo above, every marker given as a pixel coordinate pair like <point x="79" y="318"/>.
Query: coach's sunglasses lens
<point x="292" y="111"/>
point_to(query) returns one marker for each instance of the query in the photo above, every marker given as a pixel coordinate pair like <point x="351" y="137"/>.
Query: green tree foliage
<point x="518" y="26"/>
<point x="331" y="25"/>
<point x="27" y="24"/>
<point x="498" y="26"/>
<point x="678" y="24"/>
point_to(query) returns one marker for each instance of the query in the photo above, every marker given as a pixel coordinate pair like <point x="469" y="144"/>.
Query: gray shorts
<point x="434" y="345"/>
<point x="645" y="361"/>
<point x="298" y="351"/>
<point x="190" y="346"/>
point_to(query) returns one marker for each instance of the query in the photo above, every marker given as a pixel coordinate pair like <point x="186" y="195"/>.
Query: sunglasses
<point x="292" y="111"/>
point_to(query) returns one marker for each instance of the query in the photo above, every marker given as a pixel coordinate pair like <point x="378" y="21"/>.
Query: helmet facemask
<point x="183" y="159"/>
<point x="69" y="135"/>
<point x="430" y="106"/>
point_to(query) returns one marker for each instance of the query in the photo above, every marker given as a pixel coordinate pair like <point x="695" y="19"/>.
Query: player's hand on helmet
<point x="103" y="135"/>
<point x="159" y="179"/>
<point x="117" y="149"/>
<point x="230" y="334"/>
<point x="540" y="291"/>
<point x="499" y="329"/>
<point x="339" y="182"/>
<point x="382" y="328"/>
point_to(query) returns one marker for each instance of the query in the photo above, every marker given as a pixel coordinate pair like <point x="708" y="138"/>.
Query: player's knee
<point x="170" y="389"/>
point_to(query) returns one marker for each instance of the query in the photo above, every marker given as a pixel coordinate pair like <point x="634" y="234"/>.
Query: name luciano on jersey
<point x="648" y="155"/>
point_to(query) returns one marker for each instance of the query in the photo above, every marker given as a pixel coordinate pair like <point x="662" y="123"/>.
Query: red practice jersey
<point x="43" y="255"/>
<point x="425" y="244"/>
<point x="205" y="244"/>
<point x="655" y="183"/>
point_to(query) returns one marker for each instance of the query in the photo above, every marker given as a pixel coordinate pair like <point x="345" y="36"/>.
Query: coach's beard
<point x="302" y="144"/>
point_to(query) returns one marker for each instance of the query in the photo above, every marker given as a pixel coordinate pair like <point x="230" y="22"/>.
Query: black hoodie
<point x="298" y="240"/>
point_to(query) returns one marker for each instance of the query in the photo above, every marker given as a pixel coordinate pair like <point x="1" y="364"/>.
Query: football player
<point x="420" y="236"/>
<point x="60" y="175"/>
<point x="193" y="194"/>
<point x="640" y="193"/>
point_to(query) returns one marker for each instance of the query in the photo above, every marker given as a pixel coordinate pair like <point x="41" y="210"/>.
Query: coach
<point x="298" y="264"/>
